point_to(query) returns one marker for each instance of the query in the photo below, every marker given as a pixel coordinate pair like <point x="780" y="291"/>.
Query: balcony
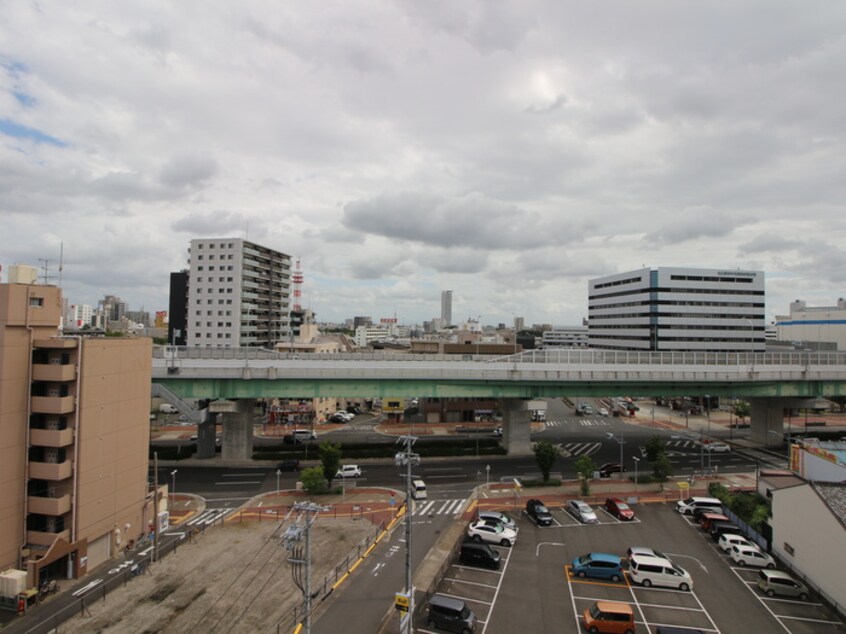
<point x="53" y="471"/>
<point x="53" y="404"/>
<point x="51" y="437"/>
<point x="53" y="372"/>
<point x="48" y="505"/>
<point x="40" y="538"/>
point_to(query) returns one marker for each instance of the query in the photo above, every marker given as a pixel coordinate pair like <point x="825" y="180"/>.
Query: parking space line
<point x="755" y="594"/>
<point x="805" y="618"/>
<point x="455" y="596"/>
<point x="572" y="597"/>
<point x="780" y="600"/>
<point x="474" y="569"/>
<point x="470" y="583"/>
<point x="496" y="592"/>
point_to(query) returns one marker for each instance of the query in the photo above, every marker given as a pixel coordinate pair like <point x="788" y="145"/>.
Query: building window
<point x="199" y="268"/>
<point x="200" y="257"/>
<point x="37" y="302"/>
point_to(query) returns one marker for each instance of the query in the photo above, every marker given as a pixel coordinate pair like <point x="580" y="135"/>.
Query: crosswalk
<point x="584" y="422"/>
<point x="208" y="517"/>
<point x="440" y="507"/>
<point x="581" y="448"/>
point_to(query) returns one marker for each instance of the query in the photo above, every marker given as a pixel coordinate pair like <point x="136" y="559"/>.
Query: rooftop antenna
<point x="45" y="266"/>
<point x="61" y="261"/>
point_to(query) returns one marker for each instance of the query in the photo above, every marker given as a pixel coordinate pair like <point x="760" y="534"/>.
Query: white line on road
<point x="87" y="587"/>
<point x="237" y="483"/>
<point x="242" y="475"/>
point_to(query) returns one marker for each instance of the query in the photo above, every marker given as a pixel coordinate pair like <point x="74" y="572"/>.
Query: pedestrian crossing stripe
<point x="440" y="507"/>
<point x="208" y="517"/>
<point x="582" y="448"/>
<point x="588" y="422"/>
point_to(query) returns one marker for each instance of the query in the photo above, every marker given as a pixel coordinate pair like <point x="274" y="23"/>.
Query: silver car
<point x="501" y="518"/>
<point x="774" y="582"/>
<point x="582" y="512"/>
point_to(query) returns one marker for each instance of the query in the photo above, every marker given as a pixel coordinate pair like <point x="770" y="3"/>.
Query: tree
<point x="330" y="459"/>
<point x="662" y="468"/>
<point x="585" y="469"/>
<point x="742" y="409"/>
<point x="546" y="454"/>
<point x="655" y="446"/>
<point x="313" y="480"/>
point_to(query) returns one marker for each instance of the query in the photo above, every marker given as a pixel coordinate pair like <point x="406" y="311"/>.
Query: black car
<point x="290" y="439"/>
<point x="288" y="465"/>
<point x="337" y="418"/>
<point x="354" y="409"/>
<point x="608" y="468"/>
<point x="480" y="555"/>
<point x="538" y="512"/>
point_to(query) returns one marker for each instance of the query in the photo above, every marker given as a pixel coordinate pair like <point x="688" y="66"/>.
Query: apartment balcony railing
<point x="43" y="538"/>
<point x="53" y="506"/>
<point x="51" y="437"/>
<point x="53" y="404"/>
<point x="53" y="372"/>
<point x="53" y="471"/>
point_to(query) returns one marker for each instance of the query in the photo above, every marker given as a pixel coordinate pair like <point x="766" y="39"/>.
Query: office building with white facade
<point x="683" y="309"/>
<point x="239" y="294"/>
<point x="565" y="337"/>
<point x="816" y="327"/>
<point x="446" y="309"/>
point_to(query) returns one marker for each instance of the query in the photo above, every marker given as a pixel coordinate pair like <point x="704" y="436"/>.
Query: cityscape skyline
<point x="507" y="152"/>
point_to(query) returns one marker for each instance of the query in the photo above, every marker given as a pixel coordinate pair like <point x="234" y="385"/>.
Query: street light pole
<point x="621" y="442"/>
<point x="708" y="410"/>
<point x="278" y="473"/>
<point x="173" y="493"/>
<point x="636" y="461"/>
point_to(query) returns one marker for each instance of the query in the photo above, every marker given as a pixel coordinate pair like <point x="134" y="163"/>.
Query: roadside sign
<point x="401" y="602"/>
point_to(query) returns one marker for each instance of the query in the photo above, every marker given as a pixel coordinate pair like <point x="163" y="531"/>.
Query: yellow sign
<point x="401" y="602"/>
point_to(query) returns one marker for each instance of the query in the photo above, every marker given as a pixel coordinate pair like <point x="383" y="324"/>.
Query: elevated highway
<point x="770" y="381"/>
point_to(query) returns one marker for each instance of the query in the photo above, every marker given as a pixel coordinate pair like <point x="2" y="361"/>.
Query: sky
<point x="507" y="150"/>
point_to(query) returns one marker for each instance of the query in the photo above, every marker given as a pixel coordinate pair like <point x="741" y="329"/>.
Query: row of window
<point x="220" y="268"/>
<point x="211" y="256"/>
<point x="678" y="291"/>
<point x="713" y="278"/>
<point x="211" y="301"/>
<point x="741" y="332"/>
<point x="661" y="316"/>
<point x="210" y="324"/>
<point x="630" y="280"/>
<point x="220" y="279"/>
<point x="211" y="245"/>
<point x="211" y="290"/>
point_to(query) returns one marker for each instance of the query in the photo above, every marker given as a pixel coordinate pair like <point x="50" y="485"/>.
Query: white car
<point x="745" y="556"/>
<point x="716" y="447"/>
<point x="603" y="411"/>
<point x="727" y="540"/>
<point x="645" y="551"/>
<point x="493" y="532"/>
<point x="499" y="518"/>
<point x="349" y="471"/>
<point x="582" y="512"/>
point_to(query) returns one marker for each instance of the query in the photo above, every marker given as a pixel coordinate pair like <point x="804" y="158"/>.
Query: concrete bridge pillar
<point x="768" y="418"/>
<point x="206" y="431"/>
<point x="516" y="426"/>
<point x="238" y="431"/>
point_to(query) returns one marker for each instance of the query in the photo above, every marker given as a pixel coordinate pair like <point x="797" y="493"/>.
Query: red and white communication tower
<point x="297" y="279"/>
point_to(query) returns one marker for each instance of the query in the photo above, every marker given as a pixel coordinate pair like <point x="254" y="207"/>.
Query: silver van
<point x="688" y="506"/>
<point x="418" y="490"/>
<point x="305" y="434"/>
<point x="774" y="582"/>
<point x="655" y="571"/>
<point x="451" y="614"/>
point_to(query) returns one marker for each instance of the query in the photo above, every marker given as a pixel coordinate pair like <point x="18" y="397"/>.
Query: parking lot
<point x="534" y="589"/>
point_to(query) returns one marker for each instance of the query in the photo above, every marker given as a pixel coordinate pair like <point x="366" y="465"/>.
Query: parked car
<point x="599" y="566"/>
<point x="718" y="528"/>
<point x="751" y="556"/>
<point x="645" y="551"/>
<point x="603" y="412"/>
<point x="716" y="447"/>
<point x="609" y="616"/>
<point x="707" y="520"/>
<point x="290" y="439"/>
<point x="536" y="510"/>
<point x="608" y="468"/>
<point x="498" y="431"/>
<point x="288" y="465"/>
<point x="338" y="418"/>
<point x="451" y="614"/>
<point x="774" y="582"/>
<point x="727" y="540"/>
<point x="657" y="571"/>
<point x="496" y="516"/>
<point x="492" y="532"/>
<point x="349" y="471"/>
<point x="582" y="511"/>
<point x="619" y="509"/>
<point x="688" y="505"/>
<point x="354" y="409"/>
<point x="479" y="554"/>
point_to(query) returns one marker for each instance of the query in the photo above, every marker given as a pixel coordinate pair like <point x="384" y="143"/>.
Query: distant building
<point x="565" y="337"/>
<point x="446" y="309"/>
<point x="80" y="316"/>
<point x="361" y="320"/>
<point x="384" y="333"/>
<point x="177" y="327"/>
<point x="678" y="309"/>
<point x="239" y="294"/>
<point x="76" y="430"/>
<point x="814" y="326"/>
<point x="519" y="323"/>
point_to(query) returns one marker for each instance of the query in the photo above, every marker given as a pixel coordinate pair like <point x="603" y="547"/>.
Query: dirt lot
<point x="235" y="578"/>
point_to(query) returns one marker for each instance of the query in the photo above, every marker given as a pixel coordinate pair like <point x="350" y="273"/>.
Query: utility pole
<point x="291" y="539"/>
<point x="155" y="506"/>
<point x="410" y="459"/>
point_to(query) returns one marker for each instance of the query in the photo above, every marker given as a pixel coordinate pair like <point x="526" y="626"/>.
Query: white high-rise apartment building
<point x="446" y="308"/>
<point x="239" y="294"/>
<point x="669" y="309"/>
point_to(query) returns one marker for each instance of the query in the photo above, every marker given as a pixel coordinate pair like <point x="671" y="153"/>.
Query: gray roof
<point x="834" y="496"/>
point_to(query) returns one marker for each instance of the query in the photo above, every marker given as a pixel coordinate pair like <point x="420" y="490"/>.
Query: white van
<point x="305" y="434"/>
<point x="167" y="408"/>
<point x="688" y="506"/>
<point x="418" y="489"/>
<point x="657" y="571"/>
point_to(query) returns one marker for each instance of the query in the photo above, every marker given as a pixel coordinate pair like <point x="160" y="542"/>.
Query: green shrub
<point x="552" y="482"/>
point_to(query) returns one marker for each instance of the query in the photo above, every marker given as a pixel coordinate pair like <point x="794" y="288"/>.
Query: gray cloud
<point x="188" y="171"/>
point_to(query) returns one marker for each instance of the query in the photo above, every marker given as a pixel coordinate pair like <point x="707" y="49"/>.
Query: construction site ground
<point x="232" y="578"/>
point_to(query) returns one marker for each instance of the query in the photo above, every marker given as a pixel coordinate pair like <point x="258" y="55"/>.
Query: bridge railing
<point x="533" y="357"/>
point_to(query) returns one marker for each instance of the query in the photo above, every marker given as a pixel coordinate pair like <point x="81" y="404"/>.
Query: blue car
<point x="598" y="566"/>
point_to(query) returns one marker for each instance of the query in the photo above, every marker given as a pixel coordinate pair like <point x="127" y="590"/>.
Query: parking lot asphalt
<point x="535" y="591"/>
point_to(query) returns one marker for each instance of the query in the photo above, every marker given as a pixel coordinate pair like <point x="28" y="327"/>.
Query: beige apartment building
<point x="74" y="438"/>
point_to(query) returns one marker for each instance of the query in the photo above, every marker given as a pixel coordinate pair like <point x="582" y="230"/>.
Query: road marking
<point x="537" y="548"/>
<point x="86" y="588"/>
<point x="238" y="483"/>
<point x="242" y="475"/>
<point x="701" y="565"/>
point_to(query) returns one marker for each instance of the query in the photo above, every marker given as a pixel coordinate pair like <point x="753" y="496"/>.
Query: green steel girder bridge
<point x="770" y="381"/>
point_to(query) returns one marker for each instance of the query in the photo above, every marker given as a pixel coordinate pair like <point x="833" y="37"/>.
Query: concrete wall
<point x="113" y="437"/>
<point x="802" y="521"/>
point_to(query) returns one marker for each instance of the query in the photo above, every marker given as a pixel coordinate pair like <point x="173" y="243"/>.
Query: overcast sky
<point x="506" y="150"/>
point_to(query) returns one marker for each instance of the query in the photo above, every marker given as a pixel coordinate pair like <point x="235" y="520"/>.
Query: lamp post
<point x="636" y="461"/>
<point x="487" y="476"/>
<point x="621" y="442"/>
<point x="708" y="415"/>
<point x="278" y="473"/>
<point x="173" y="492"/>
